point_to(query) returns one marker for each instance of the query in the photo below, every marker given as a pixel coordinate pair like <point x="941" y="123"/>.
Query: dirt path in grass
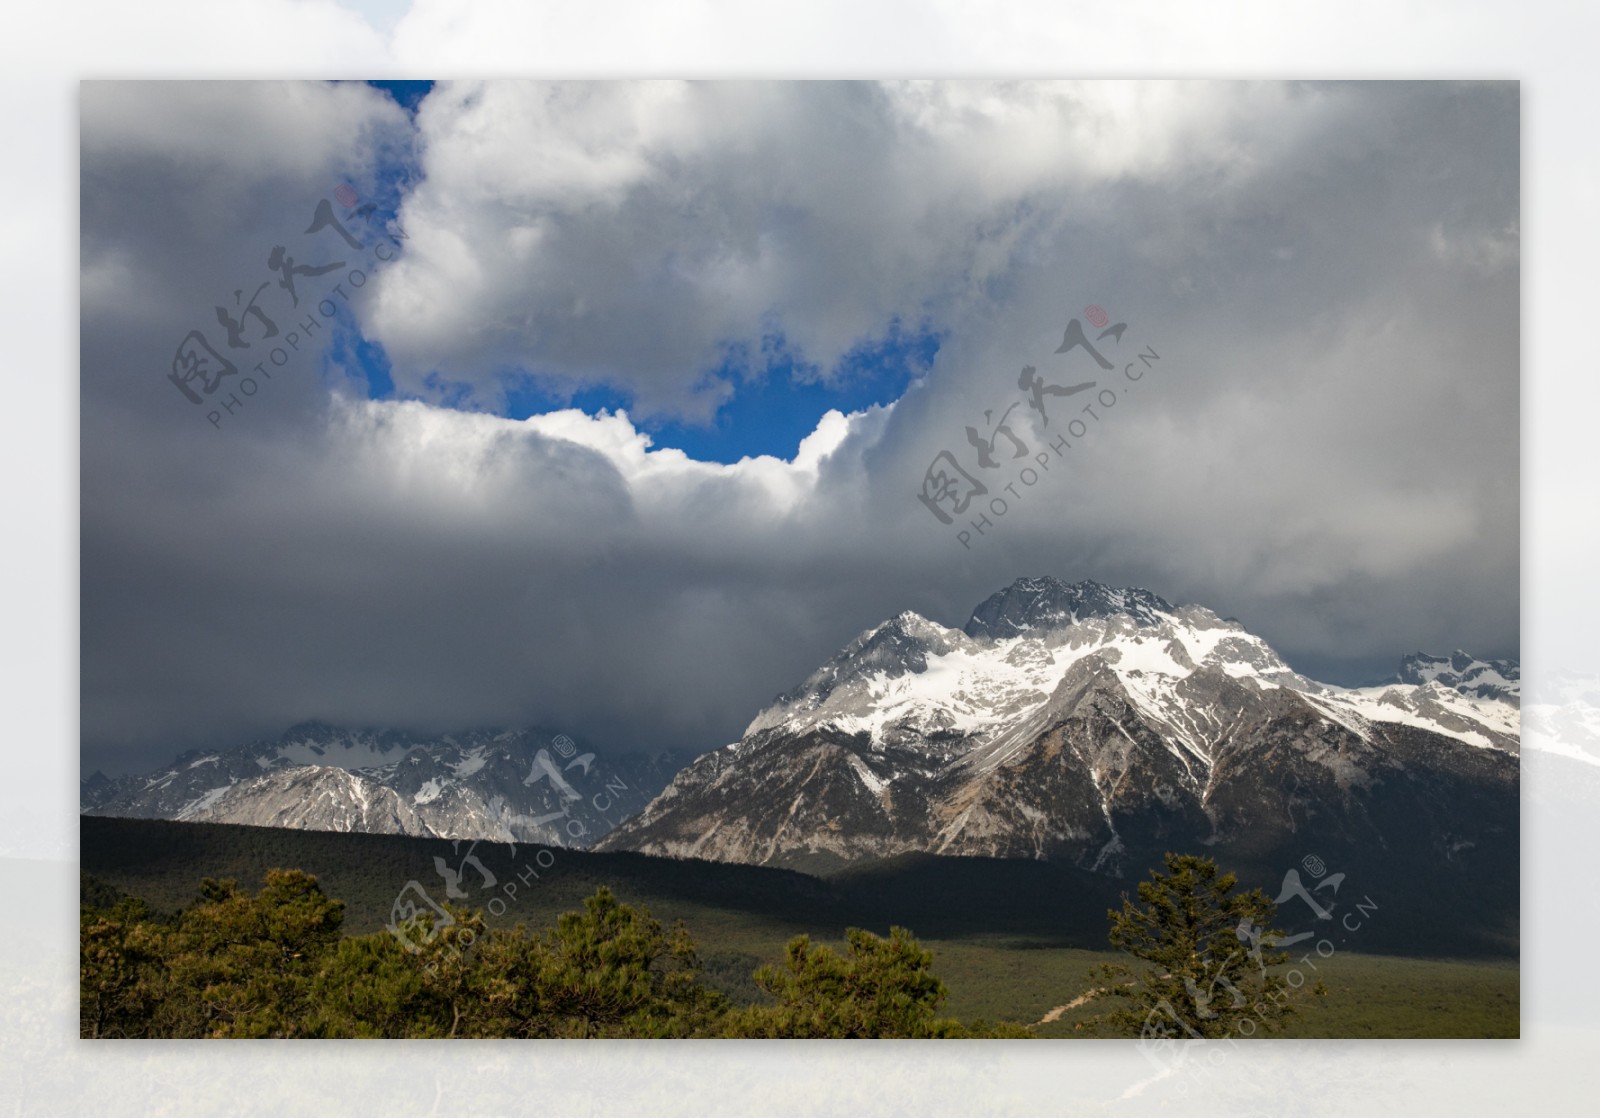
<point x="1058" y="1011"/>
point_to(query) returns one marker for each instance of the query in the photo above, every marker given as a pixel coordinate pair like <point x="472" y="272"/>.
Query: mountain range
<point x="528" y="786"/>
<point x="1101" y="726"/>
<point x="1077" y="723"/>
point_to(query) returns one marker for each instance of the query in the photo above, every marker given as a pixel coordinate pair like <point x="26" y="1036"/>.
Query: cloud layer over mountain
<point x="1327" y="448"/>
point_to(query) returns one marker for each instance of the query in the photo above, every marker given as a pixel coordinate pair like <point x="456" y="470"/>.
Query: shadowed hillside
<point x="1048" y="904"/>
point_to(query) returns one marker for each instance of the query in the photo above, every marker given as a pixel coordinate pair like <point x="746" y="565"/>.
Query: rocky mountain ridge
<point x="530" y="785"/>
<point x="1097" y="725"/>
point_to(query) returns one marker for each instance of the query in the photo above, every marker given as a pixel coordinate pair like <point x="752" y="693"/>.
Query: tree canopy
<point x="1206" y="957"/>
<point x="274" y="964"/>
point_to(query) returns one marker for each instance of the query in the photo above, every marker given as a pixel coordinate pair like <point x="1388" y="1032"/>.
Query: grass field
<point x="1368" y="996"/>
<point x="1011" y="940"/>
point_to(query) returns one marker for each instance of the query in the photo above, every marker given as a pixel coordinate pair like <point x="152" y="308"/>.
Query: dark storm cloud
<point x="1329" y="450"/>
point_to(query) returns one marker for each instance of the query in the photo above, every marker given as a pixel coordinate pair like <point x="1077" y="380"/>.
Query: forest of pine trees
<point x="1197" y="959"/>
<point x="276" y="964"/>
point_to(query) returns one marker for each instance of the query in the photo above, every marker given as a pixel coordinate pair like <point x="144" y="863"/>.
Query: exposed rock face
<point x="1486" y="679"/>
<point x="313" y="797"/>
<point x="1099" y="726"/>
<point x="1087" y="724"/>
<point x="530" y="786"/>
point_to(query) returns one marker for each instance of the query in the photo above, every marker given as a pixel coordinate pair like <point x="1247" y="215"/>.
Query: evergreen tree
<point x="120" y="973"/>
<point x="242" y="966"/>
<point x="1207" y="956"/>
<point x="371" y="987"/>
<point x="274" y="964"/>
<point x="609" y="971"/>
<point x="880" y="988"/>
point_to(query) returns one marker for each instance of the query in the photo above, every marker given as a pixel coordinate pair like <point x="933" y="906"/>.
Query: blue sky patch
<point x="408" y="95"/>
<point x="778" y="397"/>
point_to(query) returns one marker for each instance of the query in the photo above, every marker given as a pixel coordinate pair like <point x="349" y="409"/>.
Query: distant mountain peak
<point x="1462" y="672"/>
<point x="1043" y="603"/>
<point x="1100" y="725"/>
<point x="517" y="785"/>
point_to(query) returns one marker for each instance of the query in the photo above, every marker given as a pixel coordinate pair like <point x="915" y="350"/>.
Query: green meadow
<point x="1012" y="941"/>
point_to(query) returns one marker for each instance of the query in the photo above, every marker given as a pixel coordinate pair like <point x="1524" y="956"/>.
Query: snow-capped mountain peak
<point x="911" y="678"/>
<point x="1046" y="603"/>
<point x="1495" y="679"/>
<point x="1086" y="721"/>
<point x="520" y="785"/>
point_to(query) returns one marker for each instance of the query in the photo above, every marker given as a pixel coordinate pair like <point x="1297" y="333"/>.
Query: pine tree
<point x="882" y="987"/>
<point x="239" y="965"/>
<point x="611" y="970"/>
<point x="275" y="964"/>
<point x="120" y="975"/>
<point x="1207" y="952"/>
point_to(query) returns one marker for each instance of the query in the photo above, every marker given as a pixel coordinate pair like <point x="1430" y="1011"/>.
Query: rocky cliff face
<point x="1500" y="680"/>
<point x="1092" y="725"/>
<point x="530" y="786"/>
<point x="1100" y="726"/>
